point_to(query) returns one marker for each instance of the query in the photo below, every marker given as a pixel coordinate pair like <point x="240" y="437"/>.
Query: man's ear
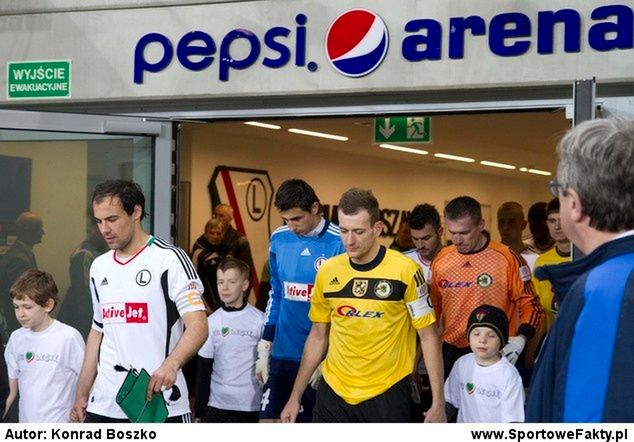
<point x="574" y="204"/>
<point x="378" y="228"/>
<point x="314" y="209"/>
<point x="137" y="212"/>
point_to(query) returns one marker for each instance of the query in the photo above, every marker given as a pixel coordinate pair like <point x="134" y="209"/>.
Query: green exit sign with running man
<point x="402" y="130"/>
<point x="38" y="79"/>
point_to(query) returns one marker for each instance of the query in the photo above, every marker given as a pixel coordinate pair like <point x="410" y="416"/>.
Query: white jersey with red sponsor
<point x="138" y="305"/>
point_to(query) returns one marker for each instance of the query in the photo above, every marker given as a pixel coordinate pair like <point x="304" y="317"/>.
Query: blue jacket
<point x="585" y="371"/>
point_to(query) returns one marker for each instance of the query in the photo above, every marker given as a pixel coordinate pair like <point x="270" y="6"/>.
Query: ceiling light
<point x="264" y="125"/>
<point x="539" y="172"/>
<point x="498" y="165"/>
<point x="318" y="134"/>
<point x="523" y="169"/>
<point x="446" y="156"/>
<point x="404" y="149"/>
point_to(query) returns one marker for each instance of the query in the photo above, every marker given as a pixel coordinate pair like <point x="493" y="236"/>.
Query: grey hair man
<point x="592" y="338"/>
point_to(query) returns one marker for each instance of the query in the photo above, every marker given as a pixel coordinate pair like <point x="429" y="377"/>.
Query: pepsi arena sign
<point x="357" y="41"/>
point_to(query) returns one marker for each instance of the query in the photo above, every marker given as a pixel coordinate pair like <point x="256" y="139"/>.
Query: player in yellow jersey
<point x="557" y="255"/>
<point x="475" y="271"/>
<point x="366" y="309"/>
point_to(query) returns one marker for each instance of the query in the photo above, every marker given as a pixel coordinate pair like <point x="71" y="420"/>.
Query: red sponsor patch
<point x="125" y="313"/>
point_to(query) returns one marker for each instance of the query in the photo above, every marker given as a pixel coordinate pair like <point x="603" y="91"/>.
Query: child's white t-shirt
<point x="46" y="365"/>
<point x="485" y="394"/>
<point x="232" y="344"/>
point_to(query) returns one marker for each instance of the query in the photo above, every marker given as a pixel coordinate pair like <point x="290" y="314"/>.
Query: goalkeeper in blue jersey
<point x="297" y="249"/>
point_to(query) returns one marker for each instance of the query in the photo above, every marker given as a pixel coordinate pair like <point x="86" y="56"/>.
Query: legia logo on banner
<point x="356" y="42"/>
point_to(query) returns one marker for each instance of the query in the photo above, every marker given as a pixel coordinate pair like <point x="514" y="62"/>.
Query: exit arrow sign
<point x="402" y="130"/>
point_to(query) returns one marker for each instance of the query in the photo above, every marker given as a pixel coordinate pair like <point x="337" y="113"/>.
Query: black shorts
<point x="220" y="416"/>
<point x="278" y="389"/>
<point x="394" y="405"/>
<point x="92" y="418"/>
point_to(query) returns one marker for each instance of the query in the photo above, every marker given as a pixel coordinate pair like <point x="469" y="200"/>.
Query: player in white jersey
<point x="426" y="232"/>
<point x="144" y="291"/>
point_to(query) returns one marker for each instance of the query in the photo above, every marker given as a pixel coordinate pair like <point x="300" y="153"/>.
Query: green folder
<point x="131" y="397"/>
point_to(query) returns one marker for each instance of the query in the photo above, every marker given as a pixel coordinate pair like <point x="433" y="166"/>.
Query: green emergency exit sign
<point x="402" y="130"/>
<point x="38" y="79"/>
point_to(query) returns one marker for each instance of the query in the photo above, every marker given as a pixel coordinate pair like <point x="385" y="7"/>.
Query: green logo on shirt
<point x="225" y="331"/>
<point x="30" y="356"/>
<point x="470" y="388"/>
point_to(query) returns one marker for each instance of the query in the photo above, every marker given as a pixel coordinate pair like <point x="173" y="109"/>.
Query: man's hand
<point x="78" y="412"/>
<point x="290" y="411"/>
<point x="514" y="348"/>
<point x="262" y="364"/>
<point x="435" y="415"/>
<point x="162" y="379"/>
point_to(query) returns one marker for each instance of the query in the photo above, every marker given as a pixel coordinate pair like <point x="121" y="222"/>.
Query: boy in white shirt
<point x="483" y="385"/>
<point x="227" y="389"/>
<point x="43" y="357"/>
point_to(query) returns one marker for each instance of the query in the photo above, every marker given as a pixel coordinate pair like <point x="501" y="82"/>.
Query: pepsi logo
<point x="356" y="42"/>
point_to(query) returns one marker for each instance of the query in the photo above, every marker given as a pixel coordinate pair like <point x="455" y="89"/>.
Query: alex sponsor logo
<point x="125" y="313"/>
<point x="349" y="311"/>
<point x="296" y="291"/>
<point x="446" y="284"/>
<point x="357" y="40"/>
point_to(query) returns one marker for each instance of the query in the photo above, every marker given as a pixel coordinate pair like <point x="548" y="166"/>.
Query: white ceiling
<point x="522" y="139"/>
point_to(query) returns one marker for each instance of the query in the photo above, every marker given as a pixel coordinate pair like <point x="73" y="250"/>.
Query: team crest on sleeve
<point x="525" y="273"/>
<point x="422" y="290"/>
<point x="383" y="289"/>
<point x="359" y="287"/>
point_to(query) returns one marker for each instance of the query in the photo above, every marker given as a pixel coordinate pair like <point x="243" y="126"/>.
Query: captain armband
<point x="419" y="307"/>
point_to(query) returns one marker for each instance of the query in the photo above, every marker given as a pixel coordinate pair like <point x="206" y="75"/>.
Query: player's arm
<point x="419" y="307"/>
<point x="193" y="338"/>
<point x="523" y="294"/>
<point x="314" y="352"/>
<point x="86" y="376"/>
<point x="275" y="298"/>
<point x="432" y="354"/>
